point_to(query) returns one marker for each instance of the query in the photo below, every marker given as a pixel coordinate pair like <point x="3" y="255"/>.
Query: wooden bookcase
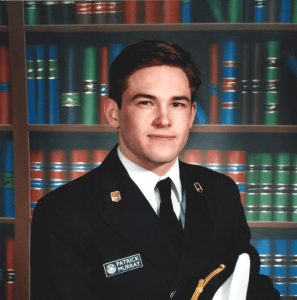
<point x="20" y="130"/>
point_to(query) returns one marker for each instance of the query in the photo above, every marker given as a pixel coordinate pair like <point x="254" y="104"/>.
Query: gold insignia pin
<point x="115" y="196"/>
<point x="198" y="187"/>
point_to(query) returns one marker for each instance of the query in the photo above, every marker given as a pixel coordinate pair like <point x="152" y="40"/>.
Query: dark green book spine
<point x="90" y="83"/>
<point x="32" y="13"/>
<point x="272" y="97"/>
<point x="235" y="11"/>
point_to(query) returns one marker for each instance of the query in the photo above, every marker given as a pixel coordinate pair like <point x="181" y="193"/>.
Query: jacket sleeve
<point x="60" y="268"/>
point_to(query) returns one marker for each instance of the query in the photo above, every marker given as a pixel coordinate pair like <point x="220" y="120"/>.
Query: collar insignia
<point x="115" y="196"/>
<point x="198" y="187"/>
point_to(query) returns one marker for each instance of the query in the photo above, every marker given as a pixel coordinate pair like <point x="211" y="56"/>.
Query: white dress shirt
<point x="147" y="181"/>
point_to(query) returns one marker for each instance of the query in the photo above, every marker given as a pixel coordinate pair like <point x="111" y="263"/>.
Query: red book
<point x="214" y="83"/>
<point x="84" y="12"/>
<point x="98" y="156"/>
<point x="152" y="11"/>
<point x="103" y="83"/>
<point x="37" y="177"/>
<point x="10" y="268"/>
<point x="79" y="163"/>
<point x="132" y="12"/>
<point x="5" y="87"/>
<point x="171" y="11"/>
<point x="236" y="169"/>
<point x="215" y="160"/>
<point x="193" y="156"/>
<point x="57" y="168"/>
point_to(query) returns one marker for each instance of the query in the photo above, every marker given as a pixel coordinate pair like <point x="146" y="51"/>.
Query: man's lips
<point x="161" y="136"/>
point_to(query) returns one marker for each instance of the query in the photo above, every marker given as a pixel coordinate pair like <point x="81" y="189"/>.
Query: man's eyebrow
<point x="139" y="95"/>
<point x="176" y="98"/>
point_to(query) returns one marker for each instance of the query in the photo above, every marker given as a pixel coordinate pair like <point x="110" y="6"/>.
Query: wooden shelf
<point x="163" y="27"/>
<point x="195" y="128"/>
<point x="256" y="224"/>
<point x="6" y="127"/>
<point x="7" y="220"/>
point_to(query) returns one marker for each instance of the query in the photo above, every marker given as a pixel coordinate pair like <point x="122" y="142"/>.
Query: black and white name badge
<point x="123" y="265"/>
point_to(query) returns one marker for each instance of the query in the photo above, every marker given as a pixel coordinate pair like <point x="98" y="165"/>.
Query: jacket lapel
<point x="133" y="218"/>
<point x="198" y="227"/>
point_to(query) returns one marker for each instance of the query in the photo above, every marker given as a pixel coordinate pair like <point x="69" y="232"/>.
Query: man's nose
<point x="162" y="118"/>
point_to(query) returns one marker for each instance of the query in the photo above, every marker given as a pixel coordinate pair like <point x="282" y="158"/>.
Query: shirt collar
<point x="147" y="180"/>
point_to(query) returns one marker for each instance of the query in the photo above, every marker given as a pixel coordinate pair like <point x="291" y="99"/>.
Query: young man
<point x="113" y="234"/>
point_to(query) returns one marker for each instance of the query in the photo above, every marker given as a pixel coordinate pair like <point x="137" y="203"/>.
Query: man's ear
<point x="111" y="111"/>
<point x="193" y="113"/>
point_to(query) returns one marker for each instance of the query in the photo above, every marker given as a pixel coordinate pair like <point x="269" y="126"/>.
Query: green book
<point x="32" y="13"/>
<point x="90" y="82"/>
<point x="217" y="11"/>
<point x="235" y="11"/>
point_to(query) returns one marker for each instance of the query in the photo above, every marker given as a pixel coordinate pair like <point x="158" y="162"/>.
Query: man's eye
<point x="144" y="102"/>
<point x="176" y="104"/>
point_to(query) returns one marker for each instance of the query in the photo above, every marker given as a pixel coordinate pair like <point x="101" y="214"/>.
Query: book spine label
<point x="10" y="268"/>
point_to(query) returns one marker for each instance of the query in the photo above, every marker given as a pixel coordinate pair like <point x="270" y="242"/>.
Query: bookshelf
<point x="25" y="135"/>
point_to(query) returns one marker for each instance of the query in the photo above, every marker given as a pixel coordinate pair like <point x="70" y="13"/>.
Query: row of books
<point x="279" y="261"/>
<point x="107" y="12"/>
<point x="157" y="11"/>
<point x="271" y="193"/>
<point x="7" y="268"/>
<point x="5" y="87"/>
<point x="245" y="82"/>
<point x="7" y="179"/>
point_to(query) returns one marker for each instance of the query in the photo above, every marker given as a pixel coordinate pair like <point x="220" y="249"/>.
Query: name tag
<point x="122" y="265"/>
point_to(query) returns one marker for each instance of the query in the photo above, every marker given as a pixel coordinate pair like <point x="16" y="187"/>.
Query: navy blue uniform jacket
<point x="77" y="228"/>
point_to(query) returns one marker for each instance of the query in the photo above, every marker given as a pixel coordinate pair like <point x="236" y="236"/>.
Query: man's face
<point x="155" y="116"/>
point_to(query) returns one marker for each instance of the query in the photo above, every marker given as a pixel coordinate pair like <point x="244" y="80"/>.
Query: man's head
<point x="157" y="106"/>
<point x="149" y="53"/>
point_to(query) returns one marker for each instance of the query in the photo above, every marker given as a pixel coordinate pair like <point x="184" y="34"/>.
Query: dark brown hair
<point x="149" y="53"/>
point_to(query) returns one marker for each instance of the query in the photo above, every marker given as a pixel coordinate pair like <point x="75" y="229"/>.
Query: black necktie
<point x="168" y="216"/>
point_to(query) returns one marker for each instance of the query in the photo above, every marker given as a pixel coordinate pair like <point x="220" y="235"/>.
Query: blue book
<point x="41" y="84"/>
<point x="285" y="11"/>
<point x="200" y="117"/>
<point x="7" y="178"/>
<point x="185" y="11"/>
<point x="113" y="51"/>
<point x="53" y="84"/>
<point x="260" y="11"/>
<point x="230" y="97"/>
<point x="31" y="83"/>
<point x="291" y="61"/>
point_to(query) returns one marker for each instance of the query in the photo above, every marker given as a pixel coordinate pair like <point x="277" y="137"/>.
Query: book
<point x="236" y="169"/>
<point x="41" y="108"/>
<point x="260" y="11"/>
<point x="230" y="96"/>
<point x="171" y="11"/>
<point x="7" y="178"/>
<point x="79" y="163"/>
<point x="247" y="11"/>
<point x="272" y="95"/>
<point x="193" y="156"/>
<point x="50" y="12"/>
<point x="235" y="8"/>
<point x="272" y="11"/>
<point x="83" y="12"/>
<point x="285" y="11"/>
<point x="5" y="86"/>
<point x="31" y="83"/>
<point x="214" y="84"/>
<point x="89" y="82"/>
<point x="200" y="116"/>
<point x="10" y="268"/>
<point x="103" y="83"/>
<point x="97" y="157"/>
<point x="32" y="13"/>
<point x="294" y="12"/>
<point x="215" y="160"/>
<point x="114" y="12"/>
<point x="217" y="10"/>
<point x="99" y="12"/>
<point x="185" y="11"/>
<point x="114" y="50"/>
<point x="53" y="85"/>
<point x="245" y="85"/>
<point x="152" y="11"/>
<point x="70" y="98"/>
<point x="57" y="168"/>
<point x="37" y="177"/>
<point x="132" y="11"/>
<point x="68" y="12"/>
<point x="256" y="103"/>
